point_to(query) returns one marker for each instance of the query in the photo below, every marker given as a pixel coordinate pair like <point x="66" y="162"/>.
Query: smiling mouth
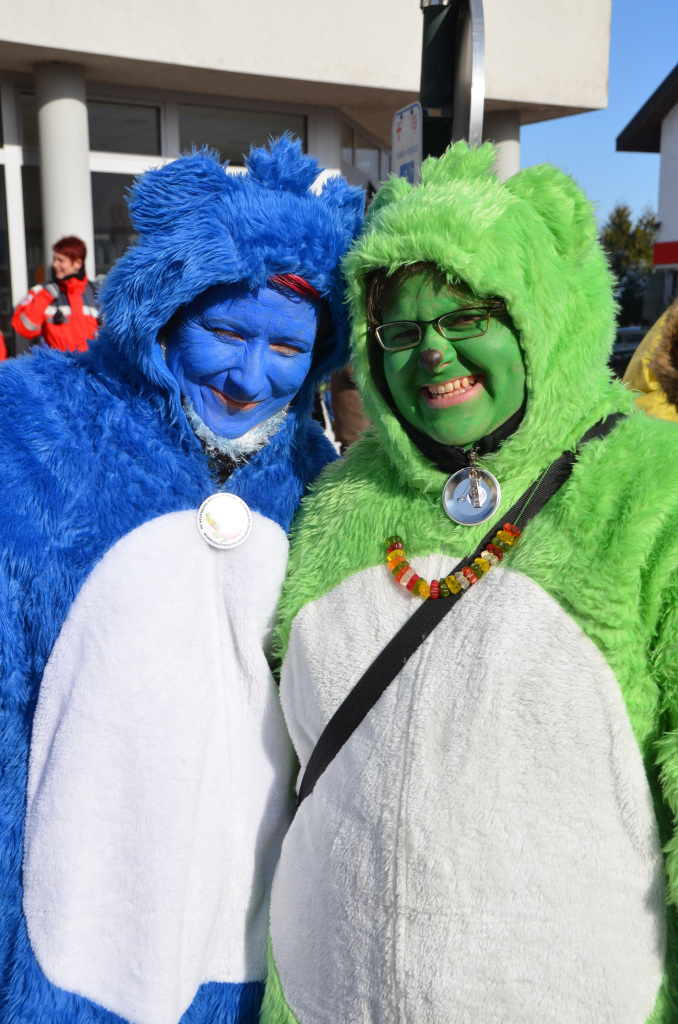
<point x="232" y="403"/>
<point x="452" y="392"/>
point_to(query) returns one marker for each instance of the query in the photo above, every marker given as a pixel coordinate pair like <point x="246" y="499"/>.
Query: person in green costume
<point x="495" y="842"/>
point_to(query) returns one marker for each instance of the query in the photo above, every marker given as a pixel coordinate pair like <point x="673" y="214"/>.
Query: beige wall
<point x="667" y="212"/>
<point x="551" y="53"/>
<point x="375" y="43"/>
<point x="548" y="57"/>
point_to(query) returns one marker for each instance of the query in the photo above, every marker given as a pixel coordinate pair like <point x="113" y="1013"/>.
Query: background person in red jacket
<point x="63" y="313"/>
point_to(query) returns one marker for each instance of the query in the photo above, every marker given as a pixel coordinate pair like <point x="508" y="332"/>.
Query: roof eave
<point x="643" y="132"/>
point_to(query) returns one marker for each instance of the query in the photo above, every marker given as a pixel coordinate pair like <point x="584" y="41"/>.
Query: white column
<point x="503" y="128"/>
<point x="16" y="234"/>
<point x="63" y="134"/>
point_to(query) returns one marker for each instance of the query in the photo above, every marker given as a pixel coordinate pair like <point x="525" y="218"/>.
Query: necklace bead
<point x="468" y="576"/>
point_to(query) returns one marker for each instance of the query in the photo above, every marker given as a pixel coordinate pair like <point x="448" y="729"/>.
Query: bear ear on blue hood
<point x="166" y="195"/>
<point x="561" y="206"/>
<point x="283" y="165"/>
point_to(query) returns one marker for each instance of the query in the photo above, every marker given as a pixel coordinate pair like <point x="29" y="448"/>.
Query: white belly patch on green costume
<point x="485" y="847"/>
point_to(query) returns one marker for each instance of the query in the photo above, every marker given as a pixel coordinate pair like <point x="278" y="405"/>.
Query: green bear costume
<point x="495" y="842"/>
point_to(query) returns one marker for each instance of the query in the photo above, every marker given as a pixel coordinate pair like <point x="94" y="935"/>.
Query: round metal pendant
<point x="471" y="496"/>
<point x="224" y="520"/>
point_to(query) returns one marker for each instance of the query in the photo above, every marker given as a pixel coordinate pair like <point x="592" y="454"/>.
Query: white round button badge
<point x="224" y="520"/>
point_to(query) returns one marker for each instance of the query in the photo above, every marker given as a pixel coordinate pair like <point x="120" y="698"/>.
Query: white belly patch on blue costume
<point x="159" y="777"/>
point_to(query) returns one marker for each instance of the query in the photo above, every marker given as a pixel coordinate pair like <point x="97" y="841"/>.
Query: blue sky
<point x="643" y="50"/>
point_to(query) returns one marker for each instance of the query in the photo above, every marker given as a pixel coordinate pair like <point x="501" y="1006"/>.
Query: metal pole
<point x="437" y="74"/>
<point x="452" y="73"/>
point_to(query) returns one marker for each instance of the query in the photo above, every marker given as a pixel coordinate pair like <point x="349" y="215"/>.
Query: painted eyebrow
<point x="291" y="339"/>
<point x="217" y="325"/>
<point x="283" y="339"/>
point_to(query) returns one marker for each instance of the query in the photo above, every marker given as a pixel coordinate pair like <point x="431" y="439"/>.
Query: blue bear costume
<point x="146" y="771"/>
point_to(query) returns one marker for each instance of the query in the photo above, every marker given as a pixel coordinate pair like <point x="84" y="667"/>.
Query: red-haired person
<point x="63" y="313"/>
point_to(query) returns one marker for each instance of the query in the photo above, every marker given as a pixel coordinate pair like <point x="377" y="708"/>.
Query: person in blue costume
<point x="146" y="771"/>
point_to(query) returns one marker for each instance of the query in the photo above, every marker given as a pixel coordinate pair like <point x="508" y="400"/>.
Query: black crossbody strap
<point x="386" y="666"/>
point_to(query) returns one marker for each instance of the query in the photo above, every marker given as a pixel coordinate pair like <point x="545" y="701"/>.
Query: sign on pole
<point x="406" y="144"/>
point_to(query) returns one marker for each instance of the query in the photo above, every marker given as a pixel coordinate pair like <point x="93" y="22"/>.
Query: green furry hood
<point x="531" y="241"/>
<point x="605" y="547"/>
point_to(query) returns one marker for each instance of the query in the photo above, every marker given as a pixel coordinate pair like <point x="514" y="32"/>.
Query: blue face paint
<point x="241" y="356"/>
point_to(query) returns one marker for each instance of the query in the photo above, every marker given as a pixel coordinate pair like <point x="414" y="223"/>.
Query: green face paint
<point x="478" y="383"/>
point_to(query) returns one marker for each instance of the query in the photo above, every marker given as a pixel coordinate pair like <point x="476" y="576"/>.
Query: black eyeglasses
<point x="461" y="324"/>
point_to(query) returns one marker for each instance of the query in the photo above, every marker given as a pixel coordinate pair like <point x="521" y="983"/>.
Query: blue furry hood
<point x="199" y="225"/>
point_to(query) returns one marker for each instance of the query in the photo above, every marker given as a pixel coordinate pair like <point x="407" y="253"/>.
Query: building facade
<point x="654" y="129"/>
<point x="92" y="94"/>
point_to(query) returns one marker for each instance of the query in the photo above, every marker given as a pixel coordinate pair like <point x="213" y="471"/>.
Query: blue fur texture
<point x="92" y="446"/>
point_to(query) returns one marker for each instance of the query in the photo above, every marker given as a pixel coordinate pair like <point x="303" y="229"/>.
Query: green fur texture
<point x="274" y="1006"/>
<point x="606" y="546"/>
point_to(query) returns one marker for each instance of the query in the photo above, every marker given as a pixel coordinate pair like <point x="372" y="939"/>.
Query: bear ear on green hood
<point x="459" y="163"/>
<point x="392" y="191"/>
<point x="561" y="206"/>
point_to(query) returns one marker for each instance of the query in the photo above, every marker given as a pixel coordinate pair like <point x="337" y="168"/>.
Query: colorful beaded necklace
<point x="462" y="580"/>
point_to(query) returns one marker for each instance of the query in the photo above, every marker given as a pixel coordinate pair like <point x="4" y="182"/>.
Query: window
<point x="232" y="132"/>
<point x="346" y="145"/>
<point x="30" y="180"/>
<point x="113" y="229"/>
<point x="29" y="119"/>
<point x="113" y="127"/>
<point x="365" y="156"/>
<point x="123" y="128"/>
<point x="5" y="293"/>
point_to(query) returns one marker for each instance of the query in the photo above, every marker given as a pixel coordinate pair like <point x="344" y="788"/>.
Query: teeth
<point x="459" y="384"/>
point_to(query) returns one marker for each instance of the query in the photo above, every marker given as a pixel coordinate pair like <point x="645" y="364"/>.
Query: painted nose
<point x="430" y="359"/>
